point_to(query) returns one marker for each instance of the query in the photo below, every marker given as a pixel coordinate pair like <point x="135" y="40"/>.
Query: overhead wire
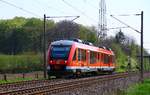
<point x="78" y="10"/>
<point x="125" y="24"/>
<point x="57" y="10"/>
<point x="127" y="14"/>
<point x="22" y="9"/>
<point x="92" y="6"/>
<point x="38" y="4"/>
<point x="50" y="7"/>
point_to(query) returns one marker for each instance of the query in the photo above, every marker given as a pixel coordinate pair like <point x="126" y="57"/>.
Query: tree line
<point x="20" y="34"/>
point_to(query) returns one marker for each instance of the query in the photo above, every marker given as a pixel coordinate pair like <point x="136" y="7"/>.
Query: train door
<point x="75" y="58"/>
<point x="88" y="59"/>
<point x="79" y="57"/>
<point x="106" y="65"/>
<point x="82" y="58"/>
<point x="110" y="61"/>
<point x="102" y="61"/>
<point x="99" y="61"/>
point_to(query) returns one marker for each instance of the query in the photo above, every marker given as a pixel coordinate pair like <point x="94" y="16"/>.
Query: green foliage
<point x="121" y="58"/>
<point x="20" y="63"/>
<point x="87" y="34"/>
<point x="19" y="35"/>
<point x="17" y="22"/>
<point x="123" y="51"/>
<point x="140" y="89"/>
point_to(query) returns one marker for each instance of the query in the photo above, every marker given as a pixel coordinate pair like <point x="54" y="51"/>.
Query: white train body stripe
<point x="89" y="68"/>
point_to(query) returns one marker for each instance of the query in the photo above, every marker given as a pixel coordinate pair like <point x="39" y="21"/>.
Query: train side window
<point x="83" y="55"/>
<point x="99" y="59"/>
<point x="93" y="57"/>
<point x="79" y="55"/>
<point x="102" y="58"/>
<point x="106" y="59"/>
<point x="74" y="57"/>
<point x="88" y="56"/>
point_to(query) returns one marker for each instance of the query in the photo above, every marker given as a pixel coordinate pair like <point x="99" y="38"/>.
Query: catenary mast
<point x="102" y="26"/>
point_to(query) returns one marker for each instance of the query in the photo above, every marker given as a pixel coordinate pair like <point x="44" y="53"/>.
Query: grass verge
<point x="20" y="63"/>
<point x="140" y="89"/>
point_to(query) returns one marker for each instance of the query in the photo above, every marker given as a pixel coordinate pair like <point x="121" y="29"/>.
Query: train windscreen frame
<point x="60" y="51"/>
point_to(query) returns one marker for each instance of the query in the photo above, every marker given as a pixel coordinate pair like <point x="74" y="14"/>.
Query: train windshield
<point x="59" y="52"/>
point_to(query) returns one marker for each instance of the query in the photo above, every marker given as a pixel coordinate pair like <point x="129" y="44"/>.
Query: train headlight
<point x="65" y="61"/>
<point x="51" y="61"/>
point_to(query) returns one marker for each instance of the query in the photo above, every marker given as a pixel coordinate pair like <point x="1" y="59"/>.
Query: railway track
<point x="24" y="84"/>
<point x="56" y="87"/>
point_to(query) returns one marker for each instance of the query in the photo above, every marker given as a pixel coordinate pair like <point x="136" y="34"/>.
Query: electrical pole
<point x="102" y="25"/>
<point x="141" y="32"/>
<point x="44" y="46"/>
<point x="142" y="46"/>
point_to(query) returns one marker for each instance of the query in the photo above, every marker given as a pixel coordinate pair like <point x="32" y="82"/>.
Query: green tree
<point x="120" y="37"/>
<point x="88" y="34"/>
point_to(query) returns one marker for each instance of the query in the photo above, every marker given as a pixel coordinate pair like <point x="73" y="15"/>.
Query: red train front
<point x="74" y="57"/>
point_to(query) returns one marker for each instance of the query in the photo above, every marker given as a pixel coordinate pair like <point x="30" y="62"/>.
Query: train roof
<point x="83" y="46"/>
<point x="63" y="42"/>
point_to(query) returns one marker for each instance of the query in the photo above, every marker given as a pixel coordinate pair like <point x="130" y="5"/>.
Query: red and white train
<point x="76" y="57"/>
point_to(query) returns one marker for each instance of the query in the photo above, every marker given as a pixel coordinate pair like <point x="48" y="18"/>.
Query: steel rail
<point x="24" y="84"/>
<point x="58" y="87"/>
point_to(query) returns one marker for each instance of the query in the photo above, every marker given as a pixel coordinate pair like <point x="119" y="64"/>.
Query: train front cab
<point x="58" y="59"/>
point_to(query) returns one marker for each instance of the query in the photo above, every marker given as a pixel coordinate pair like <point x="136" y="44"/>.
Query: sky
<point x="88" y="12"/>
